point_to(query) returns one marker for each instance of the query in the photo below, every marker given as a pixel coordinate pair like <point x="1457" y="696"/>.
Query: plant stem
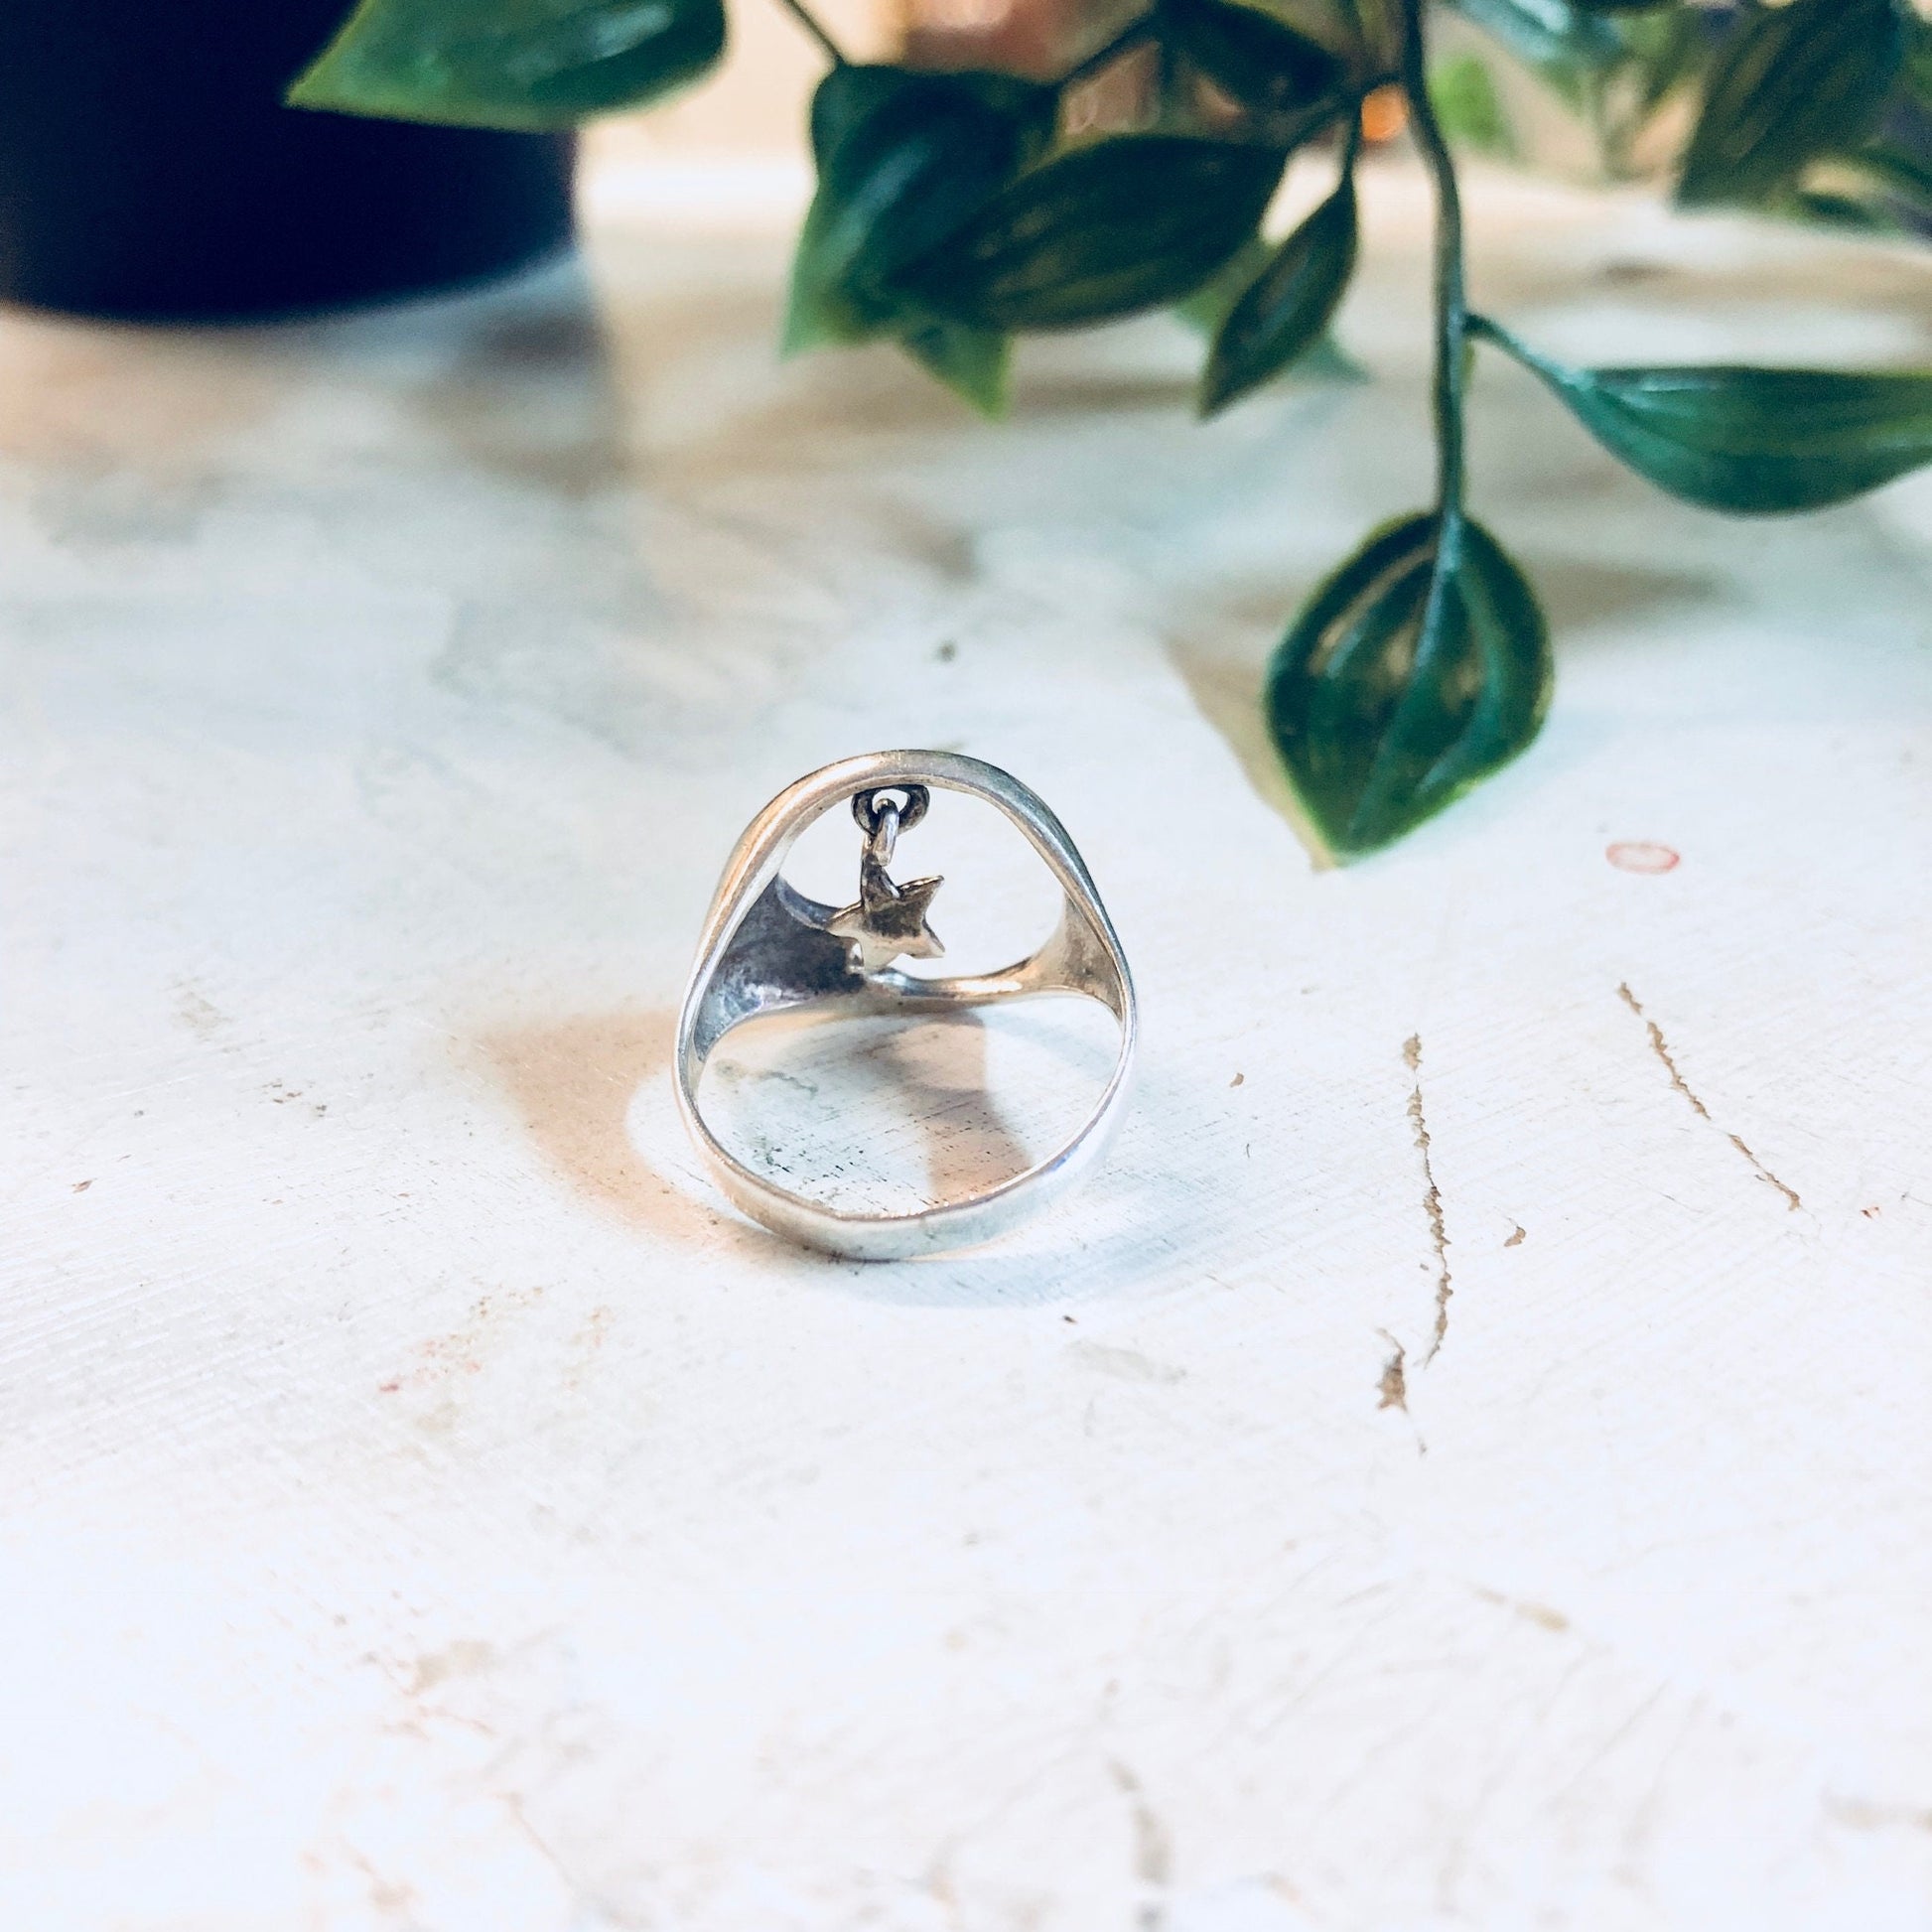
<point x="804" y="16"/>
<point x="1451" y="301"/>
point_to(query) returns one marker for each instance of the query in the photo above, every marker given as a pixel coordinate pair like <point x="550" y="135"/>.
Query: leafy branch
<point x="955" y="210"/>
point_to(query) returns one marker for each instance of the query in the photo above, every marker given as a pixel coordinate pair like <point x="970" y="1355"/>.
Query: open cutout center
<point x="892" y="1114"/>
<point x="996" y="901"/>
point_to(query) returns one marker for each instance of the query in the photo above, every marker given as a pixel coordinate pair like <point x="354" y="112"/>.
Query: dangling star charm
<point x="888" y="921"/>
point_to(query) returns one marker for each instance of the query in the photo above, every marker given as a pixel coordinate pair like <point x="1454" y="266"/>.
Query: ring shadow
<point x="572" y="1082"/>
<point x="577" y="1085"/>
<point x="935" y="1069"/>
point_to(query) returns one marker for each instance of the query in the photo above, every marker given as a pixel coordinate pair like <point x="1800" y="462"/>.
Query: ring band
<point x="766" y="948"/>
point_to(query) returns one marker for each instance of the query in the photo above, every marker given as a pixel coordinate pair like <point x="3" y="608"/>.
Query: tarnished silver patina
<point x="766" y="948"/>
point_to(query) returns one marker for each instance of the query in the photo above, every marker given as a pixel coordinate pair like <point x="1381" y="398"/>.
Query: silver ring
<point x="766" y="948"/>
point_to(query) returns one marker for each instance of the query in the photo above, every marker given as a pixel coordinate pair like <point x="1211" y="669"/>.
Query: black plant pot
<point x="148" y="169"/>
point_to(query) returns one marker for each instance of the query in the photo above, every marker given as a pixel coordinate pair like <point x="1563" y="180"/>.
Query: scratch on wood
<point x="1661" y="1047"/>
<point x="1431" y="1199"/>
<point x="1863" y="1816"/>
<point x="1395" y="1380"/>
<point x="465" y="1657"/>
<point x="544" y="1850"/>
<point x="1125" y="1364"/>
<point x="1153" y="1849"/>
<point x="1539" y="1614"/>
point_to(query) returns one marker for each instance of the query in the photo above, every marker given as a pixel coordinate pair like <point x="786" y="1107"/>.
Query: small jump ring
<point x="865" y="806"/>
<point x="883" y="840"/>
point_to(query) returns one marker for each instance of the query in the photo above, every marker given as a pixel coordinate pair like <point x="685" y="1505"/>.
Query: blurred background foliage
<point x="1018" y="166"/>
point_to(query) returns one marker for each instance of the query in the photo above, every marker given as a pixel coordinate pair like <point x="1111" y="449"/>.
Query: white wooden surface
<point x="1468" y="1465"/>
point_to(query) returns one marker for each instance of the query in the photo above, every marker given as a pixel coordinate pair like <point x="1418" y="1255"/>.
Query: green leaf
<point x="1325" y="360"/>
<point x="1210" y="305"/>
<point x="1288" y="84"/>
<point x="1289" y="305"/>
<point x="1903" y="170"/>
<point x="1858" y="209"/>
<point x="1464" y="97"/>
<point x="513" y="64"/>
<point x="972" y="363"/>
<point x="1885" y="188"/>
<point x="1746" y="440"/>
<point x="904" y="159"/>
<point x="1918" y="61"/>
<point x="1790" y="85"/>
<point x="1101" y="232"/>
<point x="1417" y="669"/>
<point x="1661" y="50"/>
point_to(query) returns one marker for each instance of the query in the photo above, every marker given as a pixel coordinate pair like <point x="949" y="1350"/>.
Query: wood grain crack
<point x="1661" y="1047"/>
<point x="1152" y="1850"/>
<point x="1393" y="1386"/>
<point x="1432" y="1199"/>
<point x="1863" y="1816"/>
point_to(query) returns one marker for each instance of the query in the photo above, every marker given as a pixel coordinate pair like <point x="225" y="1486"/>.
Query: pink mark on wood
<point x="1641" y="855"/>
